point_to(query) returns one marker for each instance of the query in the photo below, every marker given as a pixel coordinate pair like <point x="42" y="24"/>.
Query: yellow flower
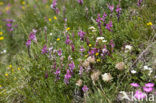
<point x="98" y="60"/>
<point x="55" y="17"/>
<point x="7" y="8"/>
<point x="23" y="7"/>
<point x="90" y="45"/>
<point x="12" y="70"/>
<point x="0" y="86"/>
<point x="23" y="2"/>
<point x="149" y="24"/>
<point x="68" y="29"/>
<point x="49" y="19"/>
<point x="1" y="33"/>
<point x="10" y="66"/>
<point x="1" y="3"/>
<point x="19" y="68"/>
<point x="97" y="54"/>
<point x="6" y="74"/>
<point x="58" y="39"/>
<point x="86" y="55"/>
<point x="1" y="38"/>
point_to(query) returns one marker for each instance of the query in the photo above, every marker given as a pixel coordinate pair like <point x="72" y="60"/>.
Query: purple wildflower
<point x="104" y="50"/>
<point x="57" y="73"/>
<point x="139" y="2"/>
<point x="109" y="26"/>
<point x="80" y="2"/>
<point x="73" y="47"/>
<point x="71" y="66"/>
<point x="81" y="70"/>
<point x="81" y="34"/>
<point x="112" y="44"/>
<point x="46" y="75"/>
<point x="98" y="20"/>
<point x="118" y="11"/>
<point x="85" y="88"/>
<point x="28" y="43"/>
<point x="32" y="36"/>
<point x="149" y="85"/>
<point x="54" y="4"/>
<point x="67" y="77"/>
<point x="82" y="49"/>
<point x="68" y="40"/>
<point x="139" y="95"/>
<point x="59" y="52"/>
<point x="104" y="17"/>
<point x="146" y="89"/>
<point x="9" y="25"/>
<point x="111" y="7"/>
<point x="134" y="84"/>
<point x="45" y="49"/>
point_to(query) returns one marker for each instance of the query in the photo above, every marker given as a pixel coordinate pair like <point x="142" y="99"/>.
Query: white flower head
<point x="107" y="77"/>
<point x="4" y="51"/>
<point x="92" y="28"/>
<point x="133" y="71"/>
<point x="128" y="48"/>
<point x="51" y="34"/>
<point x="101" y="39"/>
<point x="149" y="69"/>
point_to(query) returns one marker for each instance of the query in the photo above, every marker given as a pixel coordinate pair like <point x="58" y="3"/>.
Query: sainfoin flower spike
<point x="85" y="88"/>
<point x="81" y="34"/>
<point x="67" y="77"/>
<point x="80" y="2"/>
<point x="44" y="49"/>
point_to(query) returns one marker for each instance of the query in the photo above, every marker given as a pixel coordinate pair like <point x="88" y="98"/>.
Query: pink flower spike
<point x="146" y="89"/>
<point x="149" y="85"/>
<point x="135" y="84"/>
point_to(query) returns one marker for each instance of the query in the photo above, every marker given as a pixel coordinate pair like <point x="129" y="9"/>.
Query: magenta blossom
<point x="135" y="84"/>
<point x="81" y="34"/>
<point x="80" y="2"/>
<point x="71" y="66"/>
<point x="32" y="36"/>
<point x="104" y="17"/>
<point x="67" y="77"/>
<point x="118" y="9"/>
<point x="85" y="88"/>
<point x="81" y="70"/>
<point x="139" y="2"/>
<point x="73" y="47"/>
<point x="146" y="89"/>
<point x="150" y="85"/>
<point x="111" y="7"/>
<point x="139" y="95"/>
<point x="54" y="4"/>
<point x="44" y="49"/>
<point x="57" y="73"/>
<point x="82" y="49"/>
<point x="59" y="52"/>
<point x="68" y="41"/>
<point x="28" y="43"/>
<point x="109" y="26"/>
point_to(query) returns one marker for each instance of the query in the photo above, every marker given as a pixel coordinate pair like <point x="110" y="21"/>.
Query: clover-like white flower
<point x="107" y="77"/>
